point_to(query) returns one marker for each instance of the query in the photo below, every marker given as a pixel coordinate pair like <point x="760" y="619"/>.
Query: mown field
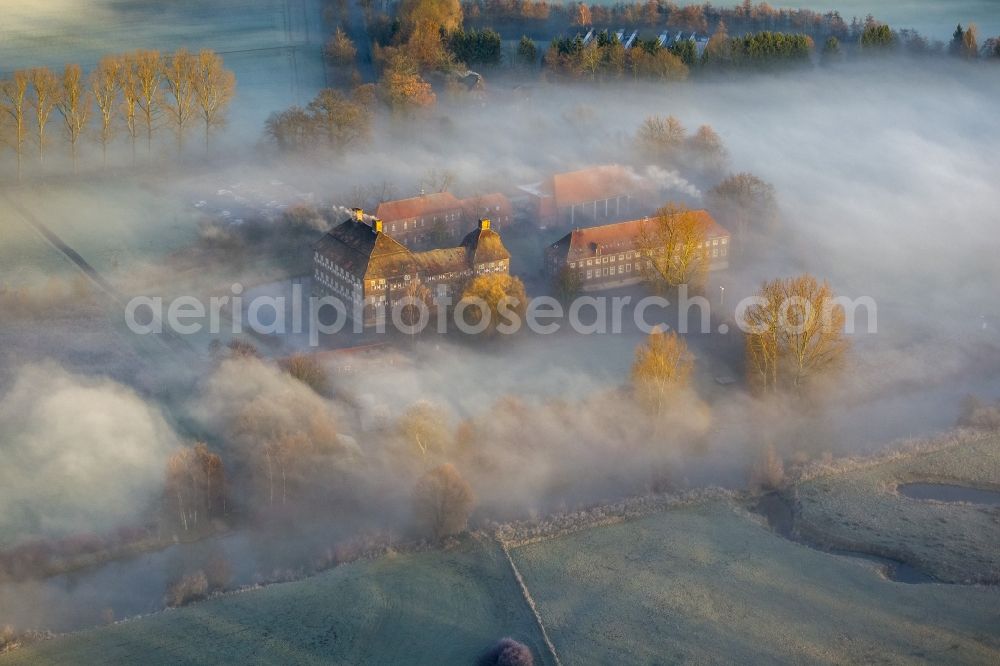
<point x="425" y="608"/>
<point x="707" y="584"/>
<point x="862" y="510"/>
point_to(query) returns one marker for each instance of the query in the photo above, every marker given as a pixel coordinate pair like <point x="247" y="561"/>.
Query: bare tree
<point x="660" y="138"/>
<point x="149" y="78"/>
<point x="129" y="82"/>
<point x="214" y="88"/>
<point x="74" y="106"/>
<point x="443" y="501"/>
<point x="45" y="87"/>
<point x="744" y="203"/>
<point x="105" y="84"/>
<point x="179" y="78"/>
<point x="13" y="96"/>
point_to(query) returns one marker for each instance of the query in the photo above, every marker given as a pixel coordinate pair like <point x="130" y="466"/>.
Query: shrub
<point x="308" y="370"/>
<point x="508" y="652"/>
<point x="189" y="588"/>
<point x="976" y="414"/>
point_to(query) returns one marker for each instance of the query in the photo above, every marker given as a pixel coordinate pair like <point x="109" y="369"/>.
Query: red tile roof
<point x="593" y="184"/>
<point x="619" y="236"/>
<point x="425" y="205"/>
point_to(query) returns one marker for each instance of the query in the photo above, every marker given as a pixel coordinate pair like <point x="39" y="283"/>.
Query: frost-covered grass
<point x="707" y="584"/>
<point x="701" y="583"/>
<point x="862" y="510"/>
<point x="423" y="608"/>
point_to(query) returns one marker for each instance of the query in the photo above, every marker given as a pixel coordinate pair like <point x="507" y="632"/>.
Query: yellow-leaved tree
<point x="673" y="246"/>
<point x="795" y="331"/>
<point x="661" y="370"/>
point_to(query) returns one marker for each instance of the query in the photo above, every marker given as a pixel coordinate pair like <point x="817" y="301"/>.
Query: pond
<point x="946" y="492"/>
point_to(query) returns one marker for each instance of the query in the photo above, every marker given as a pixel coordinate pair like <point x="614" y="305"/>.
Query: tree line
<point x="607" y="57"/>
<point x="539" y="17"/>
<point x="138" y="92"/>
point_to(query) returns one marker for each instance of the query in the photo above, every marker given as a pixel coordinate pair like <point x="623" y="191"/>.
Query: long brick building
<point x="360" y="263"/>
<point x="588" y="196"/>
<point x="432" y="220"/>
<point x="610" y="255"/>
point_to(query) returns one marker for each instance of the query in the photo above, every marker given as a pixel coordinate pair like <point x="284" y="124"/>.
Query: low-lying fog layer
<point x="887" y="177"/>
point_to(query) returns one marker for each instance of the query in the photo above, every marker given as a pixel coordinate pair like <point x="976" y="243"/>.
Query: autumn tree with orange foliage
<point x="403" y="87"/>
<point x="504" y="298"/>
<point x="673" y="245"/>
<point x="795" y="333"/>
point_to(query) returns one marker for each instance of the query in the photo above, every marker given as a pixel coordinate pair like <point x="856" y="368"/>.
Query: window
<point x="590" y="274"/>
<point x="723" y="252"/>
<point x="621" y="257"/>
<point x="725" y="240"/>
<point x="621" y="269"/>
<point x="628" y="268"/>
<point x="715" y="241"/>
<point x="590" y="262"/>
<point x="715" y="253"/>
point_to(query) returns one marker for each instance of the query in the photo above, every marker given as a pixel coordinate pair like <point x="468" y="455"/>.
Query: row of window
<point x="336" y="269"/>
<point x="631" y="254"/>
<point x="609" y="271"/>
<point x="336" y="286"/>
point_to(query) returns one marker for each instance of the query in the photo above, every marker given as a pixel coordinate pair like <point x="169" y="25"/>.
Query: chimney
<point x="359" y="214"/>
<point x="377" y="225"/>
<point x="484" y="224"/>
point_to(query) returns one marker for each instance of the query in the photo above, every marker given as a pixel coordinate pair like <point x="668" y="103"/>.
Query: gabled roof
<point x="593" y="184"/>
<point x="619" y="236"/>
<point x="483" y="246"/>
<point x="435" y="203"/>
<point x="359" y="249"/>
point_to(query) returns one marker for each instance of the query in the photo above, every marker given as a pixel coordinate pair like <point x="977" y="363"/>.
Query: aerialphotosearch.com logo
<point x="319" y="316"/>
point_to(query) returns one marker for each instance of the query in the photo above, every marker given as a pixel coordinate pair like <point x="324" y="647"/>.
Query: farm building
<point x="610" y="255"/>
<point x="360" y="263"/>
<point x="588" y="196"/>
<point x="439" y="218"/>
